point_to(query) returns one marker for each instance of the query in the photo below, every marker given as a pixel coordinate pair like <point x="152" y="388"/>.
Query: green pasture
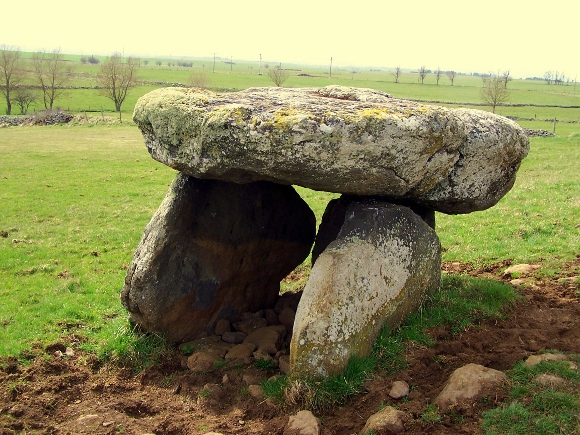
<point x="75" y="202"/>
<point x="538" y="220"/>
<point x="76" y="199"/>
<point x="222" y="76"/>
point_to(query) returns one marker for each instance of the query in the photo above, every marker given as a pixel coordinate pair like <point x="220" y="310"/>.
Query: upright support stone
<point x="334" y="215"/>
<point x="382" y="264"/>
<point x="213" y="250"/>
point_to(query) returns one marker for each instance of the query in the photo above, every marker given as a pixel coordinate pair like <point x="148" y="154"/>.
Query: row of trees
<point x="493" y="93"/>
<point x="48" y="72"/>
<point x="91" y="59"/>
<point x="423" y="73"/>
<point x="21" y="80"/>
<point x="555" y="77"/>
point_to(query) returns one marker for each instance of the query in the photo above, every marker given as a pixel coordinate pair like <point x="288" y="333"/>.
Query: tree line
<point x="45" y="75"/>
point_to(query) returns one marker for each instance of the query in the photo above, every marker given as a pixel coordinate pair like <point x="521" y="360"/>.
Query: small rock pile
<point x="264" y="335"/>
<point x="45" y="117"/>
<point x="8" y="121"/>
<point x="538" y="133"/>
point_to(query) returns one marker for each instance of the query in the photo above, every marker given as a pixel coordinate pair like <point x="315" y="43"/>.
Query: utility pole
<point x="330" y="73"/>
<point x="260" y="67"/>
<point x="214" y="62"/>
<point x="231" y="63"/>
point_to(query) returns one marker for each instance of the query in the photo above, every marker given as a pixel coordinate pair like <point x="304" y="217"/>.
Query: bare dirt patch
<point x="64" y="392"/>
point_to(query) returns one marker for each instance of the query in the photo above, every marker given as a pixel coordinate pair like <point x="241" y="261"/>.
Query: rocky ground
<point x="64" y="391"/>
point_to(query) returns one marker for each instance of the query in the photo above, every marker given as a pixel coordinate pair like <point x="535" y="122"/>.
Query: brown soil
<point x="73" y="395"/>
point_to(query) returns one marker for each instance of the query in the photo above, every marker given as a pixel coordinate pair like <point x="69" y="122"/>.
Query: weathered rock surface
<point x="214" y="250"/>
<point x="549" y="380"/>
<point x="241" y="351"/>
<point x="333" y="220"/>
<point x="234" y="337"/>
<point x="521" y="269"/>
<point x="383" y="262"/>
<point x="387" y="421"/>
<point x="467" y="384"/>
<point x="536" y="359"/>
<point x="336" y="139"/>
<point x="268" y="339"/>
<point x="303" y="423"/>
<point x="202" y="361"/>
<point x="399" y="390"/>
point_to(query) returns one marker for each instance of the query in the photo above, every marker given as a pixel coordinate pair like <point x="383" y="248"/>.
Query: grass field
<point x="76" y="199"/>
<point x="75" y="202"/>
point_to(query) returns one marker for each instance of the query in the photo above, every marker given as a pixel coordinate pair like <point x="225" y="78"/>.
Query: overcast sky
<point x="525" y="37"/>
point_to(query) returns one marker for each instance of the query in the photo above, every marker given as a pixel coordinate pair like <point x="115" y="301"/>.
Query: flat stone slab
<point x="336" y="139"/>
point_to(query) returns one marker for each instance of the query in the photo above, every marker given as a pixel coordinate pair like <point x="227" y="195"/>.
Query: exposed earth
<point x="67" y="392"/>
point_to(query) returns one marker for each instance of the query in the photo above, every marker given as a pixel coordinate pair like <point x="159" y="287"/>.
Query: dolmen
<point x="231" y="226"/>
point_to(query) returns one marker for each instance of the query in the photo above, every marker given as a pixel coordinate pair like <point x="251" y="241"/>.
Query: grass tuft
<point x="264" y="364"/>
<point x="430" y="415"/>
<point x="133" y="349"/>
<point x="276" y="388"/>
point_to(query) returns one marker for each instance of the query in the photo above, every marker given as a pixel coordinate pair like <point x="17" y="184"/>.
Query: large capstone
<point x="337" y="139"/>
<point x="214" y="250"/>
<point x="383" y="262"/>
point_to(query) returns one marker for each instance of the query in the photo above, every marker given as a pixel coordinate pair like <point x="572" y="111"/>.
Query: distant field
<point x="244" y="74"/>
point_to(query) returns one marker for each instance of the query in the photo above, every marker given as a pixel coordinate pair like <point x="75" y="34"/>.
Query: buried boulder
<point x="214" y="250"/>
<point x="383" y="262"/>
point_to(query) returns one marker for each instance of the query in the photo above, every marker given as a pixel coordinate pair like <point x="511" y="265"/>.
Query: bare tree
<point x="11" y="73"/>
<point x="422" y="74"/>
<point x="117" y="77"/>
<point x="548" y="77"/>
<point x="438" y="73"/>
<point x="24" y="97"/>
<point x="397" y="73"/>
<point x="199" y="79"/>
<point x="494" y="92"/>
<point x="451" y="76"/>
<point x="51" y="74"/>
<point x="506" y="78"/>
<point x="277" y="75"/>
